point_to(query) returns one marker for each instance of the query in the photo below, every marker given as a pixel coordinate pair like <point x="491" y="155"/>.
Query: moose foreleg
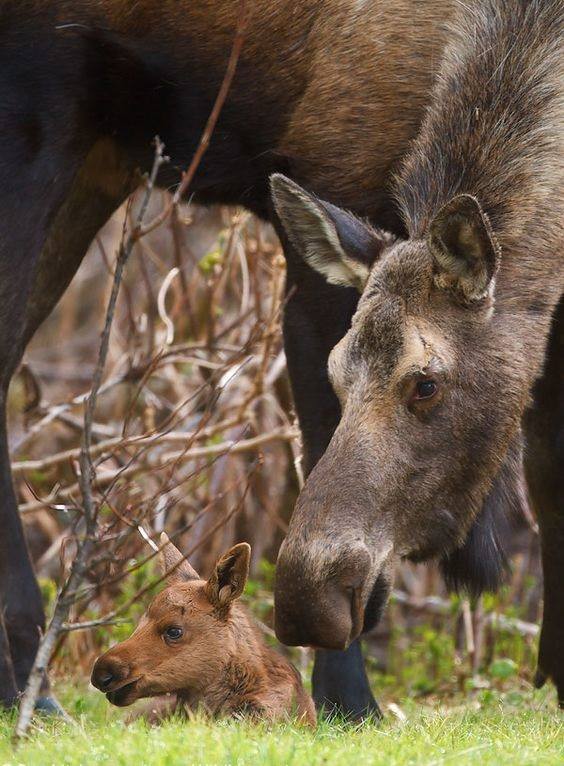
<point x="317" y="316"/>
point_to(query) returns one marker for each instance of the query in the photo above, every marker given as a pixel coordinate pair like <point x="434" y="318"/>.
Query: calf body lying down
<point x="197" y="642"/>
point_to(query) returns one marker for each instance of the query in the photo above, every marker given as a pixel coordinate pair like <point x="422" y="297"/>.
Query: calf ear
<point x="332" y="241"/>
<point x="229" y="576"/>
<point x="467" y="255"/>
<point x="172" y="563"/>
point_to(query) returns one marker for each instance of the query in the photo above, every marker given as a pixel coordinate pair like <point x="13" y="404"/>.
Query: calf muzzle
<point x="113" y="676"/>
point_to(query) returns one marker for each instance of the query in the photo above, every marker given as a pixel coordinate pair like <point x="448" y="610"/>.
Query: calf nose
<point x="107" y="671"/>
<point x="103" y="680"/>
<point x="322" y="611"/>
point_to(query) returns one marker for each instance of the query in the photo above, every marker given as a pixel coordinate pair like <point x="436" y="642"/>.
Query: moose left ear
<point x="229" y="576"/>
<point x="334" y="242"/>
<point x="173" y="565"/>
<point x="467" y="255"/>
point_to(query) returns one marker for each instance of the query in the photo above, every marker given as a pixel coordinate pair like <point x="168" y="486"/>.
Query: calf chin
<point x="481" y="564"/>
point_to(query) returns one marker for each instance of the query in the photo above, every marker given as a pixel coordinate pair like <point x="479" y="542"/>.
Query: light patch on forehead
<point x="174" y="597"/>
<point x="423" y="343"/>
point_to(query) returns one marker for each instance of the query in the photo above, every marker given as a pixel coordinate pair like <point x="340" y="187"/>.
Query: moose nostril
<point x="105" y="679"/>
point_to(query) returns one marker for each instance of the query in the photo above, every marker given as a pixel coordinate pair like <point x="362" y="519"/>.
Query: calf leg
<point x="544" y="425"/>
<point x="317" y="316"/>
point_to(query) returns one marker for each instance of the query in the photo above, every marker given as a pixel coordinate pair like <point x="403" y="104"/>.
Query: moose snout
<point x="109" y="672"/>
<point x="321" y="602"/>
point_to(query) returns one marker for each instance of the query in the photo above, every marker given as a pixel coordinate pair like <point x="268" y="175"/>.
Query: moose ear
<point x="172" y="563"/>
<point x="229" y="576"/>
<point x="332" y="241"/>
<point x="467" y="255"/>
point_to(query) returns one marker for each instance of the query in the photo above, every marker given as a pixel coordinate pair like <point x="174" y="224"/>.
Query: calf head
<point x="184" y="639"/>
<point x="431" y="399"/>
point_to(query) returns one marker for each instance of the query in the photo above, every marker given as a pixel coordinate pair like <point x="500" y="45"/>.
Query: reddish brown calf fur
<point x="197" y="642"/>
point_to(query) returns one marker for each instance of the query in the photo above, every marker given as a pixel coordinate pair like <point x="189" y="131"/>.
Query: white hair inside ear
<point x="333" y="263"/>
<point x="315" y="229"/>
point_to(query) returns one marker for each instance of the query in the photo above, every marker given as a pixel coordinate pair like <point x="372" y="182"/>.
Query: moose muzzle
<point x="319" y="601"/>
<point x="113" y="675"/>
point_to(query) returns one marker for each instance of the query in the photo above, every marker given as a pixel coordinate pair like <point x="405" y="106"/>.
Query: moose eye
<point x="425" y="389"/>
<point x="173" y="633"/>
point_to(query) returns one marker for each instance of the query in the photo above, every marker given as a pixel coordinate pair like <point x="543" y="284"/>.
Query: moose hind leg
<point x="29" y="201"/>
<point x="20" y="596"/>
<point x="545" y="477"/>
<point x="8" y="688"/>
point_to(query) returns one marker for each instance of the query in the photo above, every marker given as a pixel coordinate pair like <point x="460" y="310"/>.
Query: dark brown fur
<point x="465" y="302"/>
<point x="329" y="93"/>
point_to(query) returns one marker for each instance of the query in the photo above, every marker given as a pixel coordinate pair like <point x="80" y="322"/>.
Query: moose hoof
<point x="550" y="667"/>
<point x="49" y="706"/>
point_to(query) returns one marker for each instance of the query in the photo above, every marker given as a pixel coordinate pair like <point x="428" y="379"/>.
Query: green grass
<point x="517" y="727"/>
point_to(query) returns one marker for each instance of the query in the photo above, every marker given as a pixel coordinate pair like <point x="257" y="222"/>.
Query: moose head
<point x="186" y="638"/>
<point x="431" y="400"/>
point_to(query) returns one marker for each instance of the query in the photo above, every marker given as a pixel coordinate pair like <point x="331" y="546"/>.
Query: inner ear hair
<point x="230" y="574"/>
<point x="466" y="252"/>
<point x="334" y="242"/>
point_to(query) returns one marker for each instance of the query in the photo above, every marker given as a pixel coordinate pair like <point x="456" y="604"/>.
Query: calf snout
<point x="319" y="601"/>
<point x="109" y="672"/>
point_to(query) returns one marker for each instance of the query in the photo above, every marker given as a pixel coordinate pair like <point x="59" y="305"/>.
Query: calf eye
<point x="425" y="389"/>
<point x="173" y="633"/>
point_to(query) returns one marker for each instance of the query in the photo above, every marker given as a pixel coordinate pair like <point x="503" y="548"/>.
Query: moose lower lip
<point x="119" y="696"/>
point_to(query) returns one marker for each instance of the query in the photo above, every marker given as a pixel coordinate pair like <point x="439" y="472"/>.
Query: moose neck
<point x="494" y="130"/>
<point x="241" y="679"/>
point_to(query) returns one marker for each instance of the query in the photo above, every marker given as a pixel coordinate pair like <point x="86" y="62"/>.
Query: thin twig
<point x="213" y="450"/>
<point x="119" y="442"/>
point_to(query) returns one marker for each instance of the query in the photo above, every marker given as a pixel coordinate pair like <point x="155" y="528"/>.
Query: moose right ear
<point x="334" y="242"/>
<point x="229" y="577"/>
<point x="172" y="563"/>
<point x="466" y="252"/>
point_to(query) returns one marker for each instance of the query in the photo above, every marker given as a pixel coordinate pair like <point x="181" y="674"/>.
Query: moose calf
<point x="197" y="642"/>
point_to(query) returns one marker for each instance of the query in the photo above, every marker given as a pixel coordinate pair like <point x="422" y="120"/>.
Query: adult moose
<point x="450" y="335"/>
<point x="329" y="93"/>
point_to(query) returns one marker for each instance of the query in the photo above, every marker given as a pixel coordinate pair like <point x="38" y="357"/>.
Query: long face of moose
<point x="430" y="404"/>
